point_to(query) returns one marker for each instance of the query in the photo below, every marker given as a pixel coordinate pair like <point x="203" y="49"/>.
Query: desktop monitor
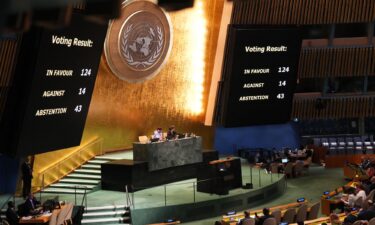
<point x="230" y="213"/>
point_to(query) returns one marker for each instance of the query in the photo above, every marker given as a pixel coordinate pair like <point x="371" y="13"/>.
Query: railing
<point x="5" y="203"/>
<point x="170" y="194"/>
<point x="60" y="169"/>
<point x="129" y="201"/>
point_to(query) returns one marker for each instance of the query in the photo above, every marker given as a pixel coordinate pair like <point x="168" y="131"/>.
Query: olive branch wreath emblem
<point x="152" y="59"/>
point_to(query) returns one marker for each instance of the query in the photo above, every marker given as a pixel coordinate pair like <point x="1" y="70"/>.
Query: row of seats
<point x="301" y="214"/>
<point x="290" y="215"/>
<point x="347" y="145"/>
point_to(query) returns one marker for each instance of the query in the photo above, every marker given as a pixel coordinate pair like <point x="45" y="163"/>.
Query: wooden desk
<point x="321" y="220"/>
<point x="233" y="219"/>
<point x="327" y="204"/>
<point x="38" y="219"/>
<point x="171" y="223"/>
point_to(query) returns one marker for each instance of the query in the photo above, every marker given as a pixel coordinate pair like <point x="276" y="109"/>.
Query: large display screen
<point x="54" y="82"/>
<point x="259" y="75"/>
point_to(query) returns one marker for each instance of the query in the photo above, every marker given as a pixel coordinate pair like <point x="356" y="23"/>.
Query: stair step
<point x="78" y="181"/>
<point x="104" y="220"/>
<point x="108" y="157"/>
<point x="97" y="161"/>
<point x="108" y="213"/>
<point x="70" y="185"/>
<point x="107" y="207"/>
<point x="87" y="171"/>
<point x="64" y="190"/>
<point x="84" y="176"/>
<point x="91" y="166"/>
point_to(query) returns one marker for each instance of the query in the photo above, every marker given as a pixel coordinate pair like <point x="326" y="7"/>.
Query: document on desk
<point x="26" y="217"/>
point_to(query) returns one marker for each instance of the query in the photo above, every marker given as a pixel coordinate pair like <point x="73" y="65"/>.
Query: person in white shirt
<point x="353" y="197"/>
<point x="158" y="134"/>
<point x="360" y="192"/>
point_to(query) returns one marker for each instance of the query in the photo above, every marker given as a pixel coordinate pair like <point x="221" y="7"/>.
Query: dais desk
<point x="172" y="153"/>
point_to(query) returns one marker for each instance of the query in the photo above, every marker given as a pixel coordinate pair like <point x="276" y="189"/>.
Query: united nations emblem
<point x="138" y="44"/>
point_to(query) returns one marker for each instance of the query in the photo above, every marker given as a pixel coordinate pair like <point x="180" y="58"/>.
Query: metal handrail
<point x="81" y="149"/>
<point x="129" y="201"/>
<point x="6" y="202"/>
<point x="74" y="155"/>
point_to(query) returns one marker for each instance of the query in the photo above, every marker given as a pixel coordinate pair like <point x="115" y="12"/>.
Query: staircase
<point x="108" y="215"/>
<point x="85" y="179"/>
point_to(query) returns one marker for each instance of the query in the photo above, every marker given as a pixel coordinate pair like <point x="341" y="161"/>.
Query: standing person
<point x="27" y="176"/>
<point x="11" y="214"/>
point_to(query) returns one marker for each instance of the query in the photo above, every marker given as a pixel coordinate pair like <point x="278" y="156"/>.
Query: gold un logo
<point x="139" y="42"/>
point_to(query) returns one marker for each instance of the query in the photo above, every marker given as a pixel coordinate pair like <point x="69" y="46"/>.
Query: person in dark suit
<point x="31" y="205"/>
<point x="27" y="176"/>
<point x="11" y="214"/>
<point x="171" y="133"/>
<point x="266" y="215"/>
<point x="247" y="217"/>
<point x="366" y="215"/>
<point x="350" y="218"/>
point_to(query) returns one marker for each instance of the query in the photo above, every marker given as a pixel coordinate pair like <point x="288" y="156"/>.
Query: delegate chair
<point x="298" y="168"/>
<point x="274" y="167"/>
<point x="370" y="196"/>
<point x="372" y="221"/>
<point x="277" y="215"/>
<point x="301" y="213"/>
<point x="349" y="144"/>
<point x="358" y="202"/>
<point x="53" y="218"/>
<point x="314" y="211"/>
<point x="249" y="222"/>
<point x="289" y="216"/>
<point x="270" y="221"/>
<point x="288" y="170"/>
<point x="68" y="218"/>
<point x="65" y="214"/>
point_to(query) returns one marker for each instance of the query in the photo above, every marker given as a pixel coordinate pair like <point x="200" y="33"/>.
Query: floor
<point x="169" y="194"/>
<point x="311" y="186"/>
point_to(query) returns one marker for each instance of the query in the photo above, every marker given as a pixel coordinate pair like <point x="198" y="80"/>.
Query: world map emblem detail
<point x="139" y="43"/>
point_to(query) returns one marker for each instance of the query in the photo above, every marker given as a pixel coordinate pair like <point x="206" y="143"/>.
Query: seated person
<point x="11" y="214"/>
<point x="31" y="205"/>
<point x="172" y="134"/>
<point x="366" y="215"/>
<point x="247" y="217"/>
<point x="158" y="135"/>
<point x="349" y="200"/>
<point x="349" y="217"/>
<point x="371" y="185"/>
<point x="266" y="215"/>
<point x="371" y="205"/>
<point x="334" y="219"/>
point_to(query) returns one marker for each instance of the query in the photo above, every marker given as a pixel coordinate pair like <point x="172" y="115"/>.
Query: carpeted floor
<point x="310" y="186"/>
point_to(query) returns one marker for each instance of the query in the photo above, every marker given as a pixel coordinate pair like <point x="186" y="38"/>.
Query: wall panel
<point x="303" y="11"/>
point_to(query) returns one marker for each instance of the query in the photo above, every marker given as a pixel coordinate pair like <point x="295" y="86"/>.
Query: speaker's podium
<point x="220" y="176"/>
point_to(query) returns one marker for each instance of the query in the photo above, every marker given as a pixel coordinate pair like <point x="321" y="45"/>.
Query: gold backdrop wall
<point x="120" y="111"/>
